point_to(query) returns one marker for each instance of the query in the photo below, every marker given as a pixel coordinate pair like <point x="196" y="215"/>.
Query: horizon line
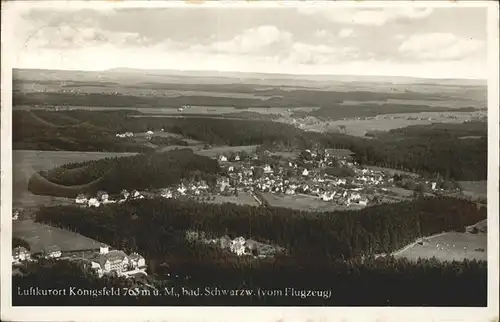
<point x="256" y="72"/>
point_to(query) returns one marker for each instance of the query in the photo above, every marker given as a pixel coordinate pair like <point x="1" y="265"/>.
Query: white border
<point x="232" y="314"/>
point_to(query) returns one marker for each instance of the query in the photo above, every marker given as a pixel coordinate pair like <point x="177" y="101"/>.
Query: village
<point x="101" y="260"/>
<point x="330" y="176"/>
<point x="327" y="176"/>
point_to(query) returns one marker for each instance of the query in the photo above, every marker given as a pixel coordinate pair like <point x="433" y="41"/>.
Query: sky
<point x="391" y="41"/>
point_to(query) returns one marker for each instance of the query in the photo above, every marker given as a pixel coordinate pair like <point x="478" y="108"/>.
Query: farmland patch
<point x="39" y="235"/>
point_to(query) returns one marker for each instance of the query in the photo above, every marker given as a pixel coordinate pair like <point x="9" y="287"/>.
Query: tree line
<point x="149" y="225"/>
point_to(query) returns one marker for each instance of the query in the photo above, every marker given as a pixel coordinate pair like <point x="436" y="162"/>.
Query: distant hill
<point x="42" y="74"/>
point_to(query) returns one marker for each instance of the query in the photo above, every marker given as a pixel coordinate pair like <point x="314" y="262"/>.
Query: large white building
<point x="108" y="261"/>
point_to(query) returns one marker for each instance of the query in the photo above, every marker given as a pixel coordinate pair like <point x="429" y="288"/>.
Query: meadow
<point x="449" y="246"/>
<point x="387" y="122"/>
<point x="304" y="203"/>
<point x="39" y="235"/>
<point x="243" y="198"/>
<point x="474" y="189"/>
<point x="27" y="163"/>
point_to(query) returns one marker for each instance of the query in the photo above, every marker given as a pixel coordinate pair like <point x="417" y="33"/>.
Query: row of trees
<point x="343" y="234"/>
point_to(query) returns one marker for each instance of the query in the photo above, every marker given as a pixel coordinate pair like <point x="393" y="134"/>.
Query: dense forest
<point x="143" y="171"/>
<point x="148" y="225"/>
<point x="455" y="151"/>
<point x="371" y="282"/>
<point x="325" y="251"/>
<point x="54" y="131"/>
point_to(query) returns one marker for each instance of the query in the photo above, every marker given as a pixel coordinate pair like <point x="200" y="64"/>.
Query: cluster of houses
<point x="125" y="135"/>
<point x="239" y="245"/>
<point x="102" y="198"/>
<point x="103" y="262"/>
<point x="21" y="254"/>
<point x="290" y="178"/>
<point x="307" y="175"/>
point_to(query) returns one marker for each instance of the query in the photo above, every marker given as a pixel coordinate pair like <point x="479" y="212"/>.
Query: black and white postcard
<point x="261" y="161"/>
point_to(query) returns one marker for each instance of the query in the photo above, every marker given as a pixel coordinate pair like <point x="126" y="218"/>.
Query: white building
<point x="305" y="172"/>
<point x="182" y="190"/>
<point x="102" y="196"/>
<point x="125" y="194"/>
<point x="106" y="262"/>
<point x="81" y="199"/>
<point x="433" y="185"/>
<point x="237" y="158"/>
<point x="363" y="202"/>
<point x="93" y="202"/>
<point x="166" y="193"/>
<point x="267" y="169"/>
<point x="238" y="246"/>
<point x="355" y="196"/>
<point x="20" y="254"/>
<point x="137" y="195"/>
<point x="222" y="158"/>
<point x="51" y="251"/>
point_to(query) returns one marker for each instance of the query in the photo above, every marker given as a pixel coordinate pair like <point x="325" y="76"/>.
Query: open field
<point x="434" y="103"/>
<point x="401" y="192"/>
<point x="213" y="152"/>
<point x="474" y="189"/>
<point x="449" y="246"/>
<point x="304" y="202"/>
<point x="384" y="122"/>
<point x="243" y="198"/>
<point x="40" y="235"/>
<point x="391" y="171"/>
<point x="216" y="151"/>
<point x="26" y="163"/>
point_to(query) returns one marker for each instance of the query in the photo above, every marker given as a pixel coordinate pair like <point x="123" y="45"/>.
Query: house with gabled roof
<point x="81" y="199"/>
<point x="93" y="202"/>
<point x="20" y="254"/>
<point x="51" y="251"/>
